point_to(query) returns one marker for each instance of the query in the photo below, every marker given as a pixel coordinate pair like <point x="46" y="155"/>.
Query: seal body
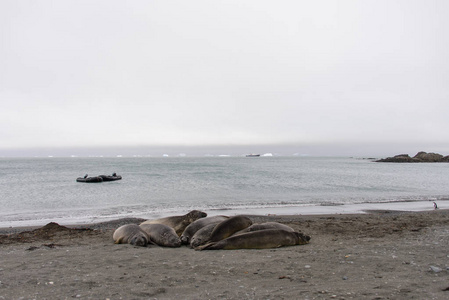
<point x="228" y="227"/>
<point x="162" y="235"/>
<point x="131" y="234"/>
<point x="266" y="225"/>
<point x="262" y="239"/>
<point x="202" y="236"/>
<point x="197" y="225"/>
<point x="179" y="223"/>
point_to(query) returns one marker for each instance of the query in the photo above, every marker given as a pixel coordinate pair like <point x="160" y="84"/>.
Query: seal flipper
<point x="207" y="246"/>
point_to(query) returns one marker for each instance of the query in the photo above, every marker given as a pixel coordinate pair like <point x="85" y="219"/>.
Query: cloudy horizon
<point x="353" y="78"/>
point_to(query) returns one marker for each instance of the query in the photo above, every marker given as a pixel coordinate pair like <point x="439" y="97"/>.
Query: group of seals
<point x="191" y="230"/>
<point x="239" y="233"/>
<point x="179" y="223"/>
<point x="164" y="232"/>
<point x="209" y="233"/>
<point x="262" y="239"/>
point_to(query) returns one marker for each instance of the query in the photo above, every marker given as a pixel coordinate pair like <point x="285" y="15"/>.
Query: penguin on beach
<point x="435" y="206"/>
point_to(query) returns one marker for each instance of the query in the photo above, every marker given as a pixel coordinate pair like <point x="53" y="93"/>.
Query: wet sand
<point x="379" y="255"/>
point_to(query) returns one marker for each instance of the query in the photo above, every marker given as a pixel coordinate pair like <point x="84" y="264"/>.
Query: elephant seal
<point x="162" y="235"/>
<point x="197" y="225"/>
<point x="228" y="227"/>
<point x="178" y="223"/>
<point x="202" y="236"/>
<point x="131" y="234"/>
<point x="266" y="225"/>
<point x="262" y="239"/>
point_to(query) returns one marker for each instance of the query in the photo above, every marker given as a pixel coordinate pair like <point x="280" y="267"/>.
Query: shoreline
<point x="115" y="223"/>
<point x="335" y="209"/>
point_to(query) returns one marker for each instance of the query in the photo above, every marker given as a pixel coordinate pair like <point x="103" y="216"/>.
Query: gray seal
<point x="131" y="234"/>
<point x="228" y="227"/>
<point x="266" y="225"/>
<point x="197" y="225"/>
<point x="202" y="236"/>
<point x="162" y="235"/>
<point x="179" y="223"/>
<point x="262" y="239"/>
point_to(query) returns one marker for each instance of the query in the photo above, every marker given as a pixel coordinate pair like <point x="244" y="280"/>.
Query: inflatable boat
<point x="90" y="179"/>
<point x="110" y="178"/>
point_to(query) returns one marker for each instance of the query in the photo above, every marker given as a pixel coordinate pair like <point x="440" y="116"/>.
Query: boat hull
<point x="110" y="178"/>
<point x="90" y="179"/>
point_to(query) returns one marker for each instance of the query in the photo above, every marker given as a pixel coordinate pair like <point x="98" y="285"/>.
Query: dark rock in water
<point x="428" y="157"/>
<point x="397" y="159"/>
<point x="419" y="157"/>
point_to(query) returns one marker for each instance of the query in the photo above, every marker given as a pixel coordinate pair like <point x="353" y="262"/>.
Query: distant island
<point x="420" y="157"/>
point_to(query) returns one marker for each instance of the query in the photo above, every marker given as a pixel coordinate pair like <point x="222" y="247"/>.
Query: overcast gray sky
<point x="155" y="73"/>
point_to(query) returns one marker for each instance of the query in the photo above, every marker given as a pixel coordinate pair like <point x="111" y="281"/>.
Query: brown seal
<point x="202" y="236"/>
<point x="179" y="223"/>
<point x="131" y="234"/>
<point x="197" y="225"/>
<point x="262" y="239"/>
<point x="266" y="225"/>
<point x="228" y="227"/>
<point x="162" y="235"/>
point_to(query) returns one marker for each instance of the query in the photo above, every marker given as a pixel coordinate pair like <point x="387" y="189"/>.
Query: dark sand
<point x="381" y="255"/>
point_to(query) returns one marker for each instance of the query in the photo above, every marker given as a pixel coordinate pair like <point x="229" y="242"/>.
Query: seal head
<point x="131" y="234"/>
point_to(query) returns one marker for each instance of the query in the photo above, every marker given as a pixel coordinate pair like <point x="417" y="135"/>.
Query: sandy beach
<point x="379" y="255"/>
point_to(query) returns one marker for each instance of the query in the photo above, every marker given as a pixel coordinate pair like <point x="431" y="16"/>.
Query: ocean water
<point x="35" y="191"/>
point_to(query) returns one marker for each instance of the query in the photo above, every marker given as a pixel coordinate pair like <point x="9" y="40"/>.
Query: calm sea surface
<point x="36" y="191"/>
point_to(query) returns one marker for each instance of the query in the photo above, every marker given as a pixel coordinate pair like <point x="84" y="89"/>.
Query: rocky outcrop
<point x="428" y="157"/>
<point x="419" y="157"/>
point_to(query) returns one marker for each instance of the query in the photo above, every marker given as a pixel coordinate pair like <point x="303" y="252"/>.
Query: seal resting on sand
<point x="262" y="239"/>
<point x="131" y="234"/>
<point x="228" y="227"/>
<point x="179" y="223"/>
<point x="266" y="225"/>
<point x="202" y="236"/>
<point x="190" y="230"/>
<point x="162" y="235"/>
